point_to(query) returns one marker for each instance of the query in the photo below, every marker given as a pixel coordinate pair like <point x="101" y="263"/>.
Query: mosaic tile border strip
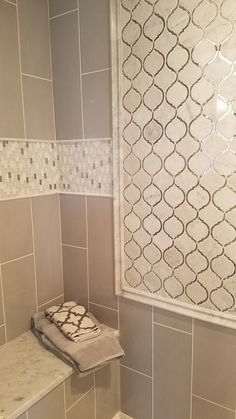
<point x="182" y="114"/>
<point x="29" y="168"/>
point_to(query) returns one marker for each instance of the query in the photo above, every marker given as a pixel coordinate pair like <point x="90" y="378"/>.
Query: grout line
<point x="33" y="239"/>
<point x="36" y="77"/>
<point x="95" y="396"/>
<point x="10" y="2"/>
<point x="85" y="394"/>
<point x="80" y="68"/>
<point x="16" y="259"/>
<point x="11" y="198"/>
<point x="87" y="253"/>
<point x="100" y="305"/>
<point x="138" y="372"/>
<point x="63" y="14"/>
<point x="60" y="233"/>
<point x="99" y="195"/>
<point x="191" y="388"/>
<point x="152" y="362"/>
<point x="50" y="301"/>
<point x="3" y="304"/>
<point x="20" y="63"/>
<point x="56" y="142"/>
<point x="211" y="402"/>
<point x="119" y="369"/>
<point x="50" y="59"/>
<point x="73" y="246"/>
<point x="95" y="71"/>
<point x="173" y="328"/>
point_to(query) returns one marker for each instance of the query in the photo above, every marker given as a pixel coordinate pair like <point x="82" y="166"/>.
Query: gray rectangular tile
<point x="100" y="251"/>
<point x="105" y="315"/>
<point x="136" y="394"/>
<point x="1" y="304"/>
<point x="15" y="229"/>
<point x="202" y="409"/>
<point x="106" y="380"/>
<point x="38" y="104"/>
<point x="47" y="243"/>
<point x="55" y="301"/>
<point x="56" y="7"/>
<point x="19" y="295"/>
<point x="66" y="76"/>
<point x="172" y="373"/>
<point x="214" y="371"/>
<point x="95" y="44"/>
<point x="97" y="104"/>
<point x="75" y="275"/>
<point x="76" y="387"/>
<point x="136" y="335"/>
<point x="11" y="112"/>
<point x="174" y="320"/>
<point x="84" y="408"/>
<point x="34" y="37"/>
<point x="2" y="335"/>
<point x="49" y="407"/>
<point x="73" y="220"/>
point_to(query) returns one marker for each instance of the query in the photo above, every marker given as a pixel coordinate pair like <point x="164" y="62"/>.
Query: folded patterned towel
<point x="84" y="357"/>
<point x="73" y="320"/>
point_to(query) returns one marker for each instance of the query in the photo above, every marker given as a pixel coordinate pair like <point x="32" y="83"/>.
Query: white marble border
<point x="196" y="312"/>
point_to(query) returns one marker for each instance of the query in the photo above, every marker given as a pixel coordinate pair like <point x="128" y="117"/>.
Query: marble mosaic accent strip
<point x="176" y="203"/>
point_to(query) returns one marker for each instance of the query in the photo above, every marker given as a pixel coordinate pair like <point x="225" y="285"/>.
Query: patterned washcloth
<point x="73" y="321"/>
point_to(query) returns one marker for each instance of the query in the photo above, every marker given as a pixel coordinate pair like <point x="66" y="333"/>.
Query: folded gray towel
<point x="85" y="356"/>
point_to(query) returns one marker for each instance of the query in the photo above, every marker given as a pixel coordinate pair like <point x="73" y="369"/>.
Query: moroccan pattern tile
<point x="178" y="147"/>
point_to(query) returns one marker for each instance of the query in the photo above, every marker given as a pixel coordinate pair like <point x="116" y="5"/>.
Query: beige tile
<point x="57" y="7"/>
<point x="23" y="416"/>
<point x="38" y="103"/>
<point x="73" y="220"/>
<point x="105" y="315"/>
<point x="136" y="335"/>
<point x="76" y="387"/>
<point x="136" y="394"/>
<point x="100" y="251"/>
<point x="1" y="304"/>
<point x="50" y="407"/>
<point x="174" y="320"/>
<point x="214" y="376"/>
<point x="97" y="104"/>
<point x="15" y="229"/>
<point x="84" y="408"/>
<point x="58" y="300"/>
<point x="11" y="113"/>
<point x="203" y="409"/>
<point x="75" y="275"/>
<point x="106" y="380"/>
<point x="2" y="335"/>
<point x="95" y="44"/>
<point x="47" y="243"/>
<point x="66" y="76"/>
<point x="172" y="373"/>
<point x="19" y="295"/>
<point x="34" y="37"/>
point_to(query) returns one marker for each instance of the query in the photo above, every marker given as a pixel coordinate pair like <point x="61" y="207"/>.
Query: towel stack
<point x="76" y="337"/>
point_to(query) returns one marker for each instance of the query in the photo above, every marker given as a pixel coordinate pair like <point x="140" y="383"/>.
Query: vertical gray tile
<point x="214" y="370"/>
<point x="1" y="304"/>
<point x="57" y="7"/>
<point x="2" y="335"/>
<point x="15" y="229"/>
<point x="11" y="113"/>
<point x="47" y="242"/>
<point x="50" y="303"/>
<point x="172" y="373"/>
<point x="105" y="315"/>
<point x="75" y="275"/>
<point x="19" y="295"/>
<point x="38" y="104"/>
<point x="136" y="335"/>
<point x="34" y="37"/>
<point x="174" y="320"/>
<point x="106" y="380"/>
<point x="76" y="387"/>
<point x="84" y="408"/>
<point x="95" y="43"/>
<point x="73" y="220"/>
<point x="66" y="76"/>
<point x="100" y="251"/>
<point x="97" y="104"/>
<point x="49" y="407"/>
<point x="136" y="394"/>
<point x="202" y="409"/>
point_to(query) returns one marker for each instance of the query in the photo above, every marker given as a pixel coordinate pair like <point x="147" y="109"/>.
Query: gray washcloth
<point x="84" y="356"/>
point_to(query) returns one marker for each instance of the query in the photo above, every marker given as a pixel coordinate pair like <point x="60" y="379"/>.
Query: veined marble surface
<point x="27" y="373"/>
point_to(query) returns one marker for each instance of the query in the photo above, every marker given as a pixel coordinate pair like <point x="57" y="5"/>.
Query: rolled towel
<point x="73" y="320"/>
